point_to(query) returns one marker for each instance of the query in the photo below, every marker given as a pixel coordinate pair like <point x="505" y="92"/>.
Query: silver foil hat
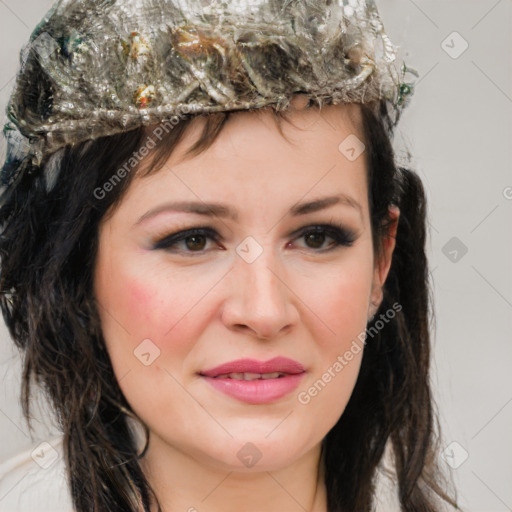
<point x="95" y="68"/>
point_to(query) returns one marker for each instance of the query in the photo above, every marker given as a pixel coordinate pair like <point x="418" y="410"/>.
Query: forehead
<point x="261" y="126"/>
<point x="250" y="162"/>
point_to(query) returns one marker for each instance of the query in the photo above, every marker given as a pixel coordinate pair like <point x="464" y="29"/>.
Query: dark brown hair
<point x="48" y="248"/>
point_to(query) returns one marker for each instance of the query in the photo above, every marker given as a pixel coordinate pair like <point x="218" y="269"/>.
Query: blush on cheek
<point x="143" y="310"/>
<point x="167" y="318"/>
<point x="139" y="298"/>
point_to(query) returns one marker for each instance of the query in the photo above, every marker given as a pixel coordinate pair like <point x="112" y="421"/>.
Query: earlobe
<point x="376" y="299"/>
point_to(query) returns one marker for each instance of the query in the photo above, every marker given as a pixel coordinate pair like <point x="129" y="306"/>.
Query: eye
<point x="315" y="236"/>
<point x="195" y="240"/>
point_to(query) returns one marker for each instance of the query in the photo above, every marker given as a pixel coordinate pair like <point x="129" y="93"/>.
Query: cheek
<point x="346" y="309"/>
<point x="147" y="307"/>
<point x="136" y="305"/>
<point x="342" y="302"/>
<point x="340" y="305"/>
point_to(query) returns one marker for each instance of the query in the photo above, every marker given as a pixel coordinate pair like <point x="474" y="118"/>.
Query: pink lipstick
<point x="256" y="382"/>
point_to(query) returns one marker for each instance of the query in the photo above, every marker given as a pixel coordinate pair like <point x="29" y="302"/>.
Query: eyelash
<point x="340" y="235"/>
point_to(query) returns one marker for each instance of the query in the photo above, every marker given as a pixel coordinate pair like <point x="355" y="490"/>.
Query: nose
<point x="260" y="301"/>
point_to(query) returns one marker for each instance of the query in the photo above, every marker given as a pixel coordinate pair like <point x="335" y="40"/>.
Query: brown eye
<point x="195" y="242"/>
<point x="189" y="241"/>
<point x="315" y="237"/>
<point x="315" y="240"/>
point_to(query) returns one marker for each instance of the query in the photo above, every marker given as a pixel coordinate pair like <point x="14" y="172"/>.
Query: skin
<point x="211" y="306"/>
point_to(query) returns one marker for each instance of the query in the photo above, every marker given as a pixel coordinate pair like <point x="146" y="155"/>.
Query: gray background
<point x="459" y="131"/>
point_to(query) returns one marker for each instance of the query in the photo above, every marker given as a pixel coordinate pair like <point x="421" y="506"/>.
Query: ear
<point x="383" y="262"/>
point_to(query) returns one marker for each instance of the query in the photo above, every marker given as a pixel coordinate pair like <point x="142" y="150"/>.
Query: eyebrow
<point x="221" y="210"/>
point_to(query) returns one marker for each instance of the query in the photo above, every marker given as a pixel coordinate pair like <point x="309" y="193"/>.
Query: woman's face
<point x="257" y="281"/>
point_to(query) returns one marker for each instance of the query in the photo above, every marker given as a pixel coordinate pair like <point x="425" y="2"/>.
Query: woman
<point x="227" y="311"/>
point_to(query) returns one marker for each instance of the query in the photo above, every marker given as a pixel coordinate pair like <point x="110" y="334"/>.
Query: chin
<point x="254" y="454"/>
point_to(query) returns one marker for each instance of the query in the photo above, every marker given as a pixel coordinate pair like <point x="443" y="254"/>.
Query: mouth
<point x="256" y="382"/>
<point x="252" y="376"/>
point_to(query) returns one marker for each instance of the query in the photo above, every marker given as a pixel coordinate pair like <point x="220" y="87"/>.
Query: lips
<point x="251" y="367"/>
<point x="256" y="382"/>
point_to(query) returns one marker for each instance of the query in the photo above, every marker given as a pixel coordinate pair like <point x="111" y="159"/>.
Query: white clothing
<point x="35" y="480"/>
